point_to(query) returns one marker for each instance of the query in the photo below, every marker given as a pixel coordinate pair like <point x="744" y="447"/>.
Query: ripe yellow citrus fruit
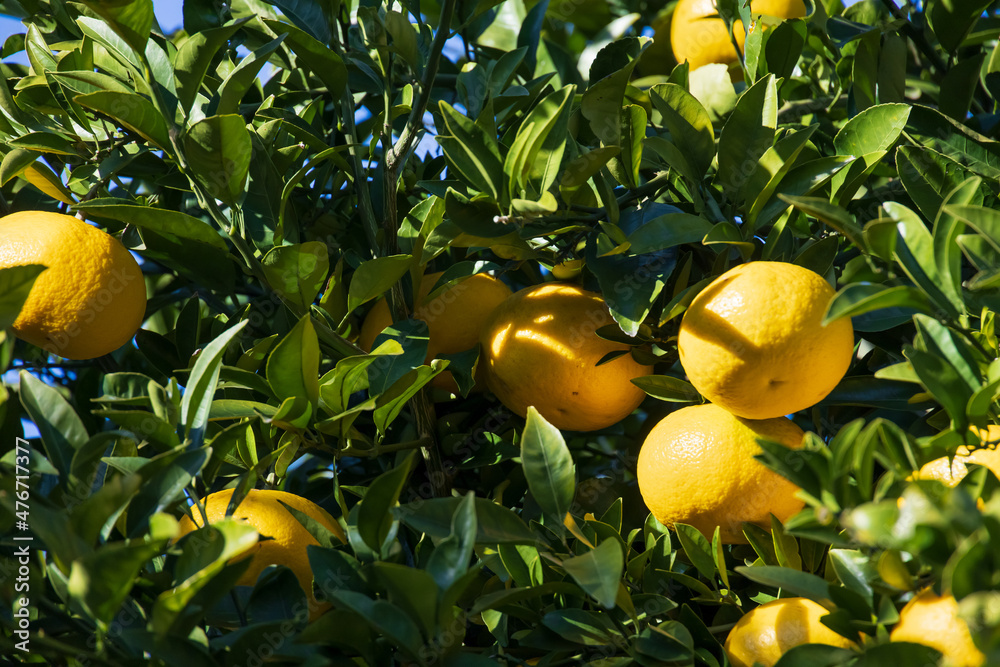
<point x="697" y="467"/>
<point x="951" y="473"/>
<point x="91" y="299"/>
<point x="767" y="632"/>
<point x="932" y="620"/>
<point x="539" y="347"/>
<point x="454" y="317"/>
<point x="699" y="36"/>
<point x="753" y="341"/>
<point x="261" y="509"/>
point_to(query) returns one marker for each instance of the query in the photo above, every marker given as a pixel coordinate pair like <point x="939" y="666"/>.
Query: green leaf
<point x="985" y="221"/>
<point x="388" y="620"/>
<point x="898" y="653"/>
<point x="374" y="277"/>
<point x="392" y="400"/>
<point x="451" y="557"/>
<point x="374" y="516"/>
<point x="667" y="388"/>
<point x="15" y="162"/>
<point x="495" y="524"/>
<point x="312" y="51"/>
<point x="297" y="272"/>
<point x="131" y="111"/>
<point x="311" y="16"/>
<point x="202" y="575"/>
<point x="940" y="341"/>
<point x="293" y="367"/>
<point x="698" y="549"/>
<point x="218" y="150"/>
<point x="689" y="124"/>
<point x="668" y="231"/>
<point x="860" y="298"/>
<point x="60" y="427"/>
<point x="472" y="151"/>
<point x="580" y="626"/>
<point x="163" y="481"/>
<point x="816" y="655"/>
<point x="914" y="250"/>
<point x="928" y="177"/>
<point x="15" y="285"/>
<point x="598" y="572"/>
<point x="747" y="134"/>
<point x="413" y="591"/>
<point x="953" y="20"/>
<point x="771" y="169"/>
<point x="942" y="380"/>
<point x="548" y="466"/>
<point x="852" y="568"/>
<point x="632" y="133"/>
<point x="195" y="56"/>
<point x="536" y="153"/>
<point x="940" y="133"/>
<point x="200" y="388"/>
<point x="784" y="46"/>
<point x="243" y="77"/>
<point x="174" y="223"/>
<point x="132" y="19"/>
<point x="102" y="580"/>
<point x="874" y="129"/>
<point x="790" y="581"/>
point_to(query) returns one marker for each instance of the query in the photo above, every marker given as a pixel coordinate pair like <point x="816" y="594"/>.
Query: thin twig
<point x="397" y="155"/>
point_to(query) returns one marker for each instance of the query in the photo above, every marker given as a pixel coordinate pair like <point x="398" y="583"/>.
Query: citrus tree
<point x="330" y="201"/>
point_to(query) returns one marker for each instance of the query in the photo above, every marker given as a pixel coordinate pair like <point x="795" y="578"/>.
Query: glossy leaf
<point x="374" y="516"/>
<point x="293" y="367"/>
<point x="874" y="129"/>
<point x="218" y="148"/>
<point x="597" y="572"/>
<point x="495" y="524"/>
<point x="297" y="272"/>
<point x="201" y="385"/>
<point x="131" y="111"/>
<point x="548" y="465"/>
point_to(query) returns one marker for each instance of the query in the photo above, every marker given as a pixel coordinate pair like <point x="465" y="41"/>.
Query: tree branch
<point x="397" y="155"/>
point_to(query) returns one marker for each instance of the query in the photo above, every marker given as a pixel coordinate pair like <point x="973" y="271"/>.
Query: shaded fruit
<point x="697" y="467"/>
<point x="767" y="632"/>
<point x="454" y="318"/>
<point x="952" y="472"/>
<point x="262" y="509"/>
<point x="540" y="348"/>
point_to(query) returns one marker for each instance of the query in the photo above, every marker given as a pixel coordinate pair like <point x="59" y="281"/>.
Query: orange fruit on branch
<point x="767" y="632"/>
<point x="697" y="467"/>
<point x="92" y="297"/>
<point x="753" y="341"/>
<point x="539" y="347"/>
<point x="932" y="620"/>
<point x="454" y="318"/>
<point x="289" y="539"/>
